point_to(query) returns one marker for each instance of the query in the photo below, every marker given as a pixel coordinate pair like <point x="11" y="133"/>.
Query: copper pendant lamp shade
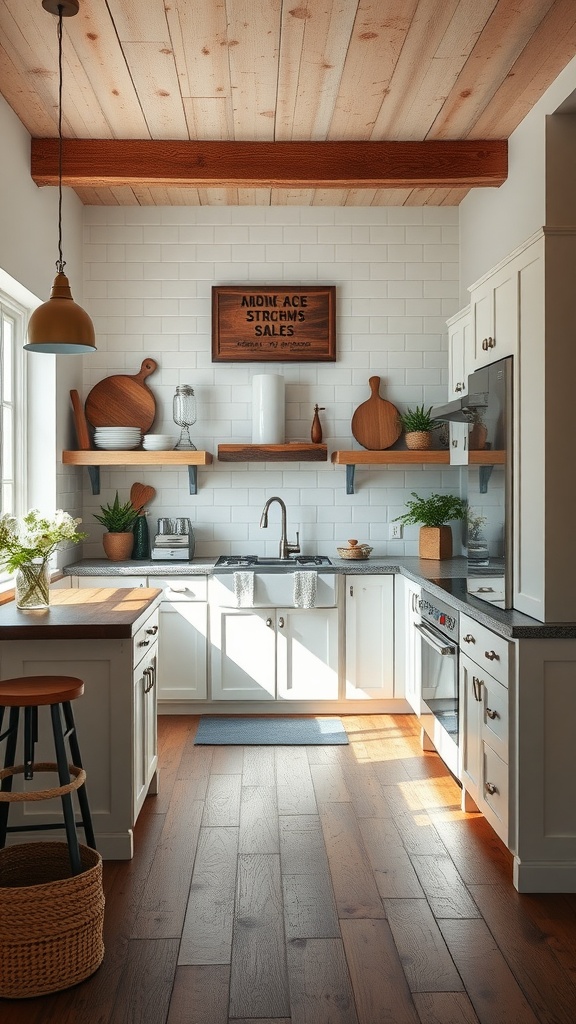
<point x="60" y="325"/>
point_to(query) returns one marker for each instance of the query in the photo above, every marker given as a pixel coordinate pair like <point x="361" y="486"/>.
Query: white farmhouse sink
<point x="271" y="589"/>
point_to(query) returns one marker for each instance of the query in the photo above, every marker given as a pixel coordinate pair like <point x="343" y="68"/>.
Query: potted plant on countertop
<point x="417" y="425"/>
<point x="26" y="546"/>
<point x="434" y="514"/>
<point x="119" y="521"/>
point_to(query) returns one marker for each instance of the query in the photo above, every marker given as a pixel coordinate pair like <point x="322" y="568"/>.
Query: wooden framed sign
<point x="273" y="323"/>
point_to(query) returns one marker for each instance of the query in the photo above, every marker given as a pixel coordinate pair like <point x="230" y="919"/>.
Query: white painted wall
<point x="494" y="221"/>
<point x="149" y="273"/>
<point x="28" y="253"/>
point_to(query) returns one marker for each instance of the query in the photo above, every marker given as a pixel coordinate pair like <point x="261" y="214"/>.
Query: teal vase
<point x="141" y="549"/>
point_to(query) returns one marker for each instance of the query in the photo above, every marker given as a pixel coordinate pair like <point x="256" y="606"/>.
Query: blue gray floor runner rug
<point x="216" y="730"/>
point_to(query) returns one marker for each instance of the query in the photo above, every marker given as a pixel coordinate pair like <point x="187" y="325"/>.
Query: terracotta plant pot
<point x="435" y="542"/>
<point x="419" y="439"/>
<point x="118" y="546"/>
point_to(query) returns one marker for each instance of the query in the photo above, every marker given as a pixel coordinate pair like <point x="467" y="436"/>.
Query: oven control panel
<point x="441" y="615"/>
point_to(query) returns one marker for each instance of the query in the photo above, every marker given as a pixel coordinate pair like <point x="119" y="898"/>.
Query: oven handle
<point x="432" y="639"/>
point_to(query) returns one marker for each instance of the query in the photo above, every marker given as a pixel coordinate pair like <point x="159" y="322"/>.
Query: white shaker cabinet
<point x="460" y="347"/>
<point x="183" y="639"/>
<point x="494" y="309"/>
<point x="486" y="665"/>
<point x="369" y="637"/>
<point x="274" y="653"/>
<point x="407" y="659"/>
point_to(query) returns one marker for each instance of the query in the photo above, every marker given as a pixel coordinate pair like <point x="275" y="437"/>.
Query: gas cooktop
<point x="247" y="561"/>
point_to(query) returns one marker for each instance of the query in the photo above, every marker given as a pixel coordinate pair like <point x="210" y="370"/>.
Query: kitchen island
<point x="107" y="637"/>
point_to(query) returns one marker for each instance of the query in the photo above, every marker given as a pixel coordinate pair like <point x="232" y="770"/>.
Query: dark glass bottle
<point x="141" y="547"/>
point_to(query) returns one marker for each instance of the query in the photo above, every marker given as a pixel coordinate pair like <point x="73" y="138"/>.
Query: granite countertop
<point x="81" y="614"/>
<point x="510" y="624"/>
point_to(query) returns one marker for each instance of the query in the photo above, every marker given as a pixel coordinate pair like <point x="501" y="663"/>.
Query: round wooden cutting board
<point x="123" y="401"/>
<point x="375" y="424"/>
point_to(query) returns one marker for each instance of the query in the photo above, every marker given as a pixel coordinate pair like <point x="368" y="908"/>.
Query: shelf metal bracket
<point x="94" y="474"/>
<point x="484" y="474"/>
<point x="193" y="479"/>
<point x="350" y="479"/>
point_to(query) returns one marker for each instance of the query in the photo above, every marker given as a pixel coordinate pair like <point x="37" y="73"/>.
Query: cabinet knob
<point x="491" y="342"/>
<point x="269" y="622"/>
<point x="144" y="643"/>
<point x="491" y="655"/>
<point x="152" y="631"/>
<point x="484" y="344"/>
<point x="454" y="443"/>
<point x="468" y="639"/>
<point x="281" y="622"/>
<point x="490" y="787"/>
<point x="492" y="714"/>
<point x="458" y="387"/>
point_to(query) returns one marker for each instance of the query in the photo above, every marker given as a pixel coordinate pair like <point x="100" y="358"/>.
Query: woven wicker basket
<point x="50" y="920"/>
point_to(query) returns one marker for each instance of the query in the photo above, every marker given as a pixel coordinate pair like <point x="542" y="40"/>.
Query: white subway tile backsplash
<point x="149" y="274"/>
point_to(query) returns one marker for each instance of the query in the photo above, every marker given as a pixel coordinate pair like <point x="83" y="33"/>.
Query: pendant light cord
<point x="60" y="263"/>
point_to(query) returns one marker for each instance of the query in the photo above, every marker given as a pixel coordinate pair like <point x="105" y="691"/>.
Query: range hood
<point x="464" y="410"/>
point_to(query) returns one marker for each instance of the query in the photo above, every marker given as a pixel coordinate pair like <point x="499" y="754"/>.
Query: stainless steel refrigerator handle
<point x="432" y="640"/>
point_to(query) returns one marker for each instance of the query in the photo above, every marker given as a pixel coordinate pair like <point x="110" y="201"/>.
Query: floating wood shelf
<point x="293" y="451"/>
<point x="354" y="458"/>
<point x="96" y="458"/>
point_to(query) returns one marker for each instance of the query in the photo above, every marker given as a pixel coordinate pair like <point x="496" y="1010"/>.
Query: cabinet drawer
<point x="490" y="651"/>
<point x="495" y="715"/>
<point x="182" y="588"/>
<point x="495" y="785"/>
<point x="146" y="637"/>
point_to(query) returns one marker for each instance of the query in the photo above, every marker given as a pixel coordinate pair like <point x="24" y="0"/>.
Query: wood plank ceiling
<point x="280" y="71"/>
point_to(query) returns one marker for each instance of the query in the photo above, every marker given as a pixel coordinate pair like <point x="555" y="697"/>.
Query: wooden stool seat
<point x="28" y="693"/>
<point x="34" y="691"/>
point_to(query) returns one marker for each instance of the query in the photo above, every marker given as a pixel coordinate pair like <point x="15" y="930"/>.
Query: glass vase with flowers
<point x="26" y="546"/>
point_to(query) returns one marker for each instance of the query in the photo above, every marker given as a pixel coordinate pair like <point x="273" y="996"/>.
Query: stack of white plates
<point x="158" y="442"/>
<point x="117" y="438"/>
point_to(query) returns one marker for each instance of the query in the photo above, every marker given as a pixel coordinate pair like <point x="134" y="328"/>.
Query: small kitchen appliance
<point x="174" y="541"/>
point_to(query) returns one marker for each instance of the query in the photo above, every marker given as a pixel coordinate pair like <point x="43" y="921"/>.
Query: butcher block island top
<point x="81" y="614"/>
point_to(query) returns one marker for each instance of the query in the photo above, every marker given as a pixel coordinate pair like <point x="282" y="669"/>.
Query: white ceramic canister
<point x="268" y="408"/>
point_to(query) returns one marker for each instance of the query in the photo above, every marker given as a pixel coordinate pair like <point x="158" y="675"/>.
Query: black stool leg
<point x="10" y="754"/>
<point x="30" y="740"/>
<point x="77" y="760"/>
<point x="64" y="777"/>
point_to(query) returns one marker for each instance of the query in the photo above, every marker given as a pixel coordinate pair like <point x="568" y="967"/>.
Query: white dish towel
<point x="305" y="586"/>
<point x="244" y="589"/>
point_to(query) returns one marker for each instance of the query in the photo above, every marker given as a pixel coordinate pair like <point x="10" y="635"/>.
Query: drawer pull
<point x="143" y="643"/>
<point x="491" y="655"/>
<point x="269" y="622"/>
<point x="152" y="631"/>
<point x="281" y="622"/>
<point x="468" y="639"/>
<point x="490" y="787"/>
<point x="492" y="714"/>
<point x="477" y="685"/>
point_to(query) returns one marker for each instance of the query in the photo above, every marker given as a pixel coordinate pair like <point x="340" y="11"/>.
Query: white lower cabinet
<point x="407" y="642"/>
<point x="369" y="637"/>
<point x="145" y="757"/>
<point x="274" y="653"/>
<point x="484" y="721"/>
<point x="183" y="638"/>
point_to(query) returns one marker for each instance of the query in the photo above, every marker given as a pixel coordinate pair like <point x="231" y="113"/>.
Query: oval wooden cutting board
<point x="123" y="400"/>
<point x="375" y="424"/>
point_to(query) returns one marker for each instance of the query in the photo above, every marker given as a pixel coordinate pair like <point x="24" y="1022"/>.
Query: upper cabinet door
<point x="459" y="352"/>
<point x="494" y="304"/>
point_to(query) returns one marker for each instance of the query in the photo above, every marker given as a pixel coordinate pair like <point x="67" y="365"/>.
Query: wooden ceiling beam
<point x="98" y="163"/>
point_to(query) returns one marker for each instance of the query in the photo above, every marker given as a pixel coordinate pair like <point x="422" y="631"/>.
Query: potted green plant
<point x="434" y="514"/>
<point x="417" y="424"/>
<point x="119" y="520"/>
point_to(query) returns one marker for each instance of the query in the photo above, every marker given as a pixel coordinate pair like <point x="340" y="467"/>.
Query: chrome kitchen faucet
<point x="286" y="549"/>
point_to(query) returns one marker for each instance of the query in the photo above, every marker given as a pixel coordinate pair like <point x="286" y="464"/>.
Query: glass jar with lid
<point x="184" y="415"/>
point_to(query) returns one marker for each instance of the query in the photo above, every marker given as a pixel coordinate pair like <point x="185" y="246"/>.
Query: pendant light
<point x="60" y="325"/>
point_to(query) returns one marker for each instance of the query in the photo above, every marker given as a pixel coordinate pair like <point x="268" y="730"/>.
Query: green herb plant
<point x="437" y="510"/>
<point x="117" y="518"/>
<point x="417" y="420"/>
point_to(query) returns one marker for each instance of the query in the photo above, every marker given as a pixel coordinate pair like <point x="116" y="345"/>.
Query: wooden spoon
<point x="140" y="495"/>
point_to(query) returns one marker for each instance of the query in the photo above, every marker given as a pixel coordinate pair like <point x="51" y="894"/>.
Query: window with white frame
<point x="12" y="411"/>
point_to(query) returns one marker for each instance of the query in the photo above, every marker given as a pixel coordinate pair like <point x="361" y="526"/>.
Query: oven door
<point x="439" y="700"/>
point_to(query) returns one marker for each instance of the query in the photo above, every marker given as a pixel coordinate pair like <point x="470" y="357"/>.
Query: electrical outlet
<point x="394" y="531"/>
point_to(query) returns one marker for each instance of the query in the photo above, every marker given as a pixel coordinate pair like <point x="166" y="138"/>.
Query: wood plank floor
<point x="318" y="885"/>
